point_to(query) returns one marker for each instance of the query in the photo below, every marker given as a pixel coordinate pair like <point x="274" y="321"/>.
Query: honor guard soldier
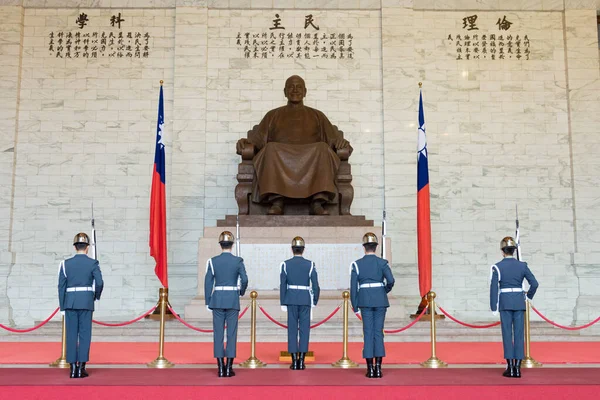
<point x="225" y="282"/>
<point x="508" y="297"/>
<point x="79" y="284"/>
<point x="368" y="294"/>
<point x="297" y="298"/>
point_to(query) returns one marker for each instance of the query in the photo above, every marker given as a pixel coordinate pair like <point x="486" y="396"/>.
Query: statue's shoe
<point x="275" y="209"/>
<point x="317" y="209"/>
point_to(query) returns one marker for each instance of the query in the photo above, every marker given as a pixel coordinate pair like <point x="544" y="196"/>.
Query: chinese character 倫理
<point x="470" y="22"/>
<point x="116" y="19"/>
<point x="82" y="20"/>
<point x="276" y="23"/>
<point x="309" y="21"/>
<point x="503" y="24"/>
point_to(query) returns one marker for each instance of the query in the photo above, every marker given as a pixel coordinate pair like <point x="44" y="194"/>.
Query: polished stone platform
<point x="295" y="220"/>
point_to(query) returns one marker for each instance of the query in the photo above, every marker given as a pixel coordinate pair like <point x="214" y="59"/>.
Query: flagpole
<point x="528" y="361"/>
<point x="95" y="245"/>
<point x="160" y="313"/>
<point x="423" y="303"/>
<point x="424" y="260"/>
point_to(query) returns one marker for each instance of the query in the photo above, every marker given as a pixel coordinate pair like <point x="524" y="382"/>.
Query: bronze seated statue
<point x="294" y="162"/>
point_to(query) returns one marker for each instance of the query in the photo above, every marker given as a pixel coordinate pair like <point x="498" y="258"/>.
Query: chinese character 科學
<point x="82" y="20"/>
<point x="116" y="19"/>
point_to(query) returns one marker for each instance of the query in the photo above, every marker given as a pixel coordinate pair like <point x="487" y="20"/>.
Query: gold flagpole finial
<point x="161" y="82"/>
<point x="420" y="84"/>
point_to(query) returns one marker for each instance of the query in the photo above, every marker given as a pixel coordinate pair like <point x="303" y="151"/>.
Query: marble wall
<point x="501" y="132"/>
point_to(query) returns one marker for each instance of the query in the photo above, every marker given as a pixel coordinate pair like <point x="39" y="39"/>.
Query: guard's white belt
<point x="368" y="285"/>
<point x="298" y="287"/>
<point x="80" y="289"/>
<point x="226" y="288"/>
<point x="511" y="289"/>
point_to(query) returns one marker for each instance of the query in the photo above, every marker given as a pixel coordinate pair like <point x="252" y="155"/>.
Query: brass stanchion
<point x="61" y="362"/>
<point x="433" y="361"/>
<point x="345" y="361"/>
<point x="161" y="361"/>
<point x="252" y="361"/>
<point x="528" y="361"/>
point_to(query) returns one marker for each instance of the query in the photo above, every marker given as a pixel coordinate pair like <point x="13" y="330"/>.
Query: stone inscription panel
<point x="332" y="262"/>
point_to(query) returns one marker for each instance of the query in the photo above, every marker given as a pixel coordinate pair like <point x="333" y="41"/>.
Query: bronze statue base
<point x="295" y="220"/>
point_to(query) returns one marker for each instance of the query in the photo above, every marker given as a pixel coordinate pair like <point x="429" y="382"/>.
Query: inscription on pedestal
<point x="331" y="260"/>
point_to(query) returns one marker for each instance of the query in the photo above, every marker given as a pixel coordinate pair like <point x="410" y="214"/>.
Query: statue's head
<point x="295" y="89"/>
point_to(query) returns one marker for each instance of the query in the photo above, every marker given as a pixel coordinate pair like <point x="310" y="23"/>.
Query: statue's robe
<point x="296" y="157"/>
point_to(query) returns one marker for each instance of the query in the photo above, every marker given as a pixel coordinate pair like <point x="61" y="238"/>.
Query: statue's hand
<point x="241" y="144"/>
<point x="340" y="144"/>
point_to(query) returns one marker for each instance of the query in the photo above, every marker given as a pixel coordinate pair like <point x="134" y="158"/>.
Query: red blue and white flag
<point x="158" y="209"/>
<point x="423" y="209"/>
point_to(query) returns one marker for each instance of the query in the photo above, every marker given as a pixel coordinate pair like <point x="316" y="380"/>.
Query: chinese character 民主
<point x="309" y="21"/>
<point x="276" y="23"/>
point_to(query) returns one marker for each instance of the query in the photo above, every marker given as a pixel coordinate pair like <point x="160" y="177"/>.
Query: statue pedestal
<point x="332" y="242"/>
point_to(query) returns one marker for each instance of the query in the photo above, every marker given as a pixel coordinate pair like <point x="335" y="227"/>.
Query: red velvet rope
<point x="407" y="326"/>
<point x="284" y="326"/>
<point x="468" y="325"/>
<point x="569" y="328"/>
<point x="403" y="328"/>
<point x="13" y="330"/>
<point x="200" y="329"/>
<point x="126" y="322"/>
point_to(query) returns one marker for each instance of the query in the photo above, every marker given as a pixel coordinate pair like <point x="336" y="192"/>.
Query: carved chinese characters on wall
<point x="501" y="44"/>
<point x="311" y="43"/>
<point x="83" y="43"/>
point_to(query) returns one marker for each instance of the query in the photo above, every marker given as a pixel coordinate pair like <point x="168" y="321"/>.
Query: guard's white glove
<point x="358" y="312"/>
<point x="530" y="301"/>
<point x="495" y="313"/>
<point x="209" y="310"/>
<point x="62" y="313"/>
<point x="284" y="308"/>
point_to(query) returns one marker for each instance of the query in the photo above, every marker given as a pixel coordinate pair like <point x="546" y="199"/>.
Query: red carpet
<point x="317" y="383"/>
<point x="325" y="353"/>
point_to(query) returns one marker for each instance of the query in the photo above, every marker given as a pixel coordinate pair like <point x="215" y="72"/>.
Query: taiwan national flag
<point x="423" y="211"/>
<point x="158" y="209"/>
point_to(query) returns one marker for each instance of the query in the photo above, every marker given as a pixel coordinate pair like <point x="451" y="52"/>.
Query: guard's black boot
<point x="509" y="372"/>
<point x="229" y="368"/>
<point x="370" y="372"/>
<point x="301" y="360"/>
<point x="73" y="370"/>
<point x="221" y="367"/>
<point x="81" y="372"/>
<point x="517" y="368"/>
<point x="377" y="370"/>
<point x="294" y="364"/>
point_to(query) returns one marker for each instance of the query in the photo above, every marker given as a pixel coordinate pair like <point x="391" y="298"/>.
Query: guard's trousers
<point x="373" y="320"/>
<point x="513" y="335"/>
<point x="298" y="319"/>
<point x="79" y="335"/>
<point x="220" y="317"/>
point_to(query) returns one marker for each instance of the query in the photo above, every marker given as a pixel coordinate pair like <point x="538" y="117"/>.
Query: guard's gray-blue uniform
<point x="507" y="296"/>
<point x="222" y="296"/>
<point x="296" y="276"/>
<point x="368" y="293"/>
<point x="76" y="298"/>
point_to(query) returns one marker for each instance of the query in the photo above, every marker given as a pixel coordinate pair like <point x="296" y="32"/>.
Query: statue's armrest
<point x="344" y="154"/>
<point x="247" y="152"/>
